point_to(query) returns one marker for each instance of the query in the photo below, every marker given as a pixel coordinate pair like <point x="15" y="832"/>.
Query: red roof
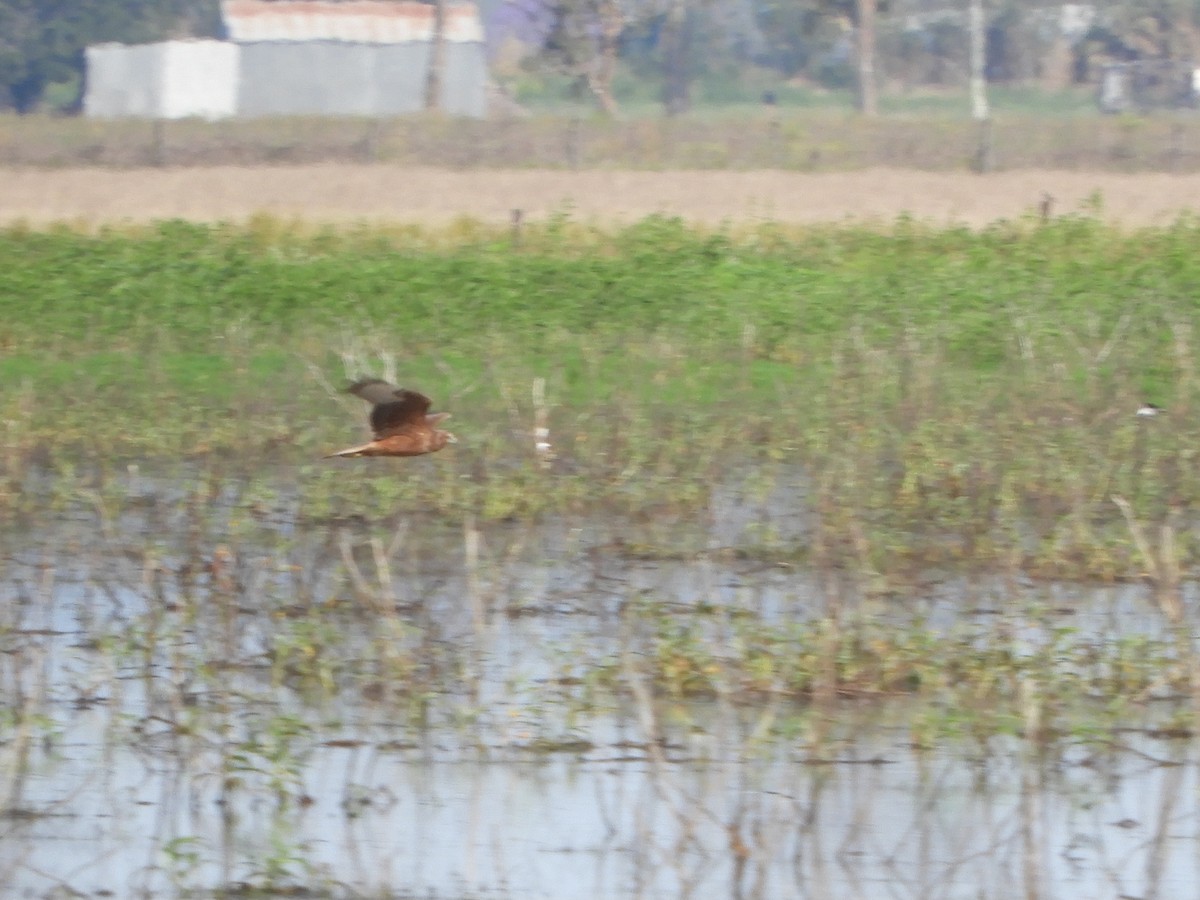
<point x="355" y="21"/>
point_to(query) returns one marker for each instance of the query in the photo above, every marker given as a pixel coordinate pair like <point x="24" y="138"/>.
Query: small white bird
<point x="1149" y="409"/>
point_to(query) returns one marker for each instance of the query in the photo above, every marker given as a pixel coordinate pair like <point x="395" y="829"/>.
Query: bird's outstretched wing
<point x="394" y="410"/>
<point x="374" y="390"/>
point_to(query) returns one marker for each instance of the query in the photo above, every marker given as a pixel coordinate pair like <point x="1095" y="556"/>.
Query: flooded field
<point x="769" y="562"/>
<point x="397" y="708"/>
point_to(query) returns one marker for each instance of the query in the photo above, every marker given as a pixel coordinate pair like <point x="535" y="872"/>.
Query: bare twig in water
<point x="1162" y="567"/>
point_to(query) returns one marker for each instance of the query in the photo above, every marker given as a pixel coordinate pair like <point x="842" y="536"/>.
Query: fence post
<point x="573" y="143"/>
<point x="1046" y="206"/>
<point x="158" y="143"/>
<point x="517" y="218"/>
<point x="1175" y="151"/>
<point x="775" y="142"/>
<point x="985" y="155"/>
<point x="373" y="139"/>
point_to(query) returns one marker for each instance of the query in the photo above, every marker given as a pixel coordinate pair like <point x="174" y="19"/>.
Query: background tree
<point x="1158" y="30"/>
<point x="716" y="40"/>
<point x="801" y="23"/>
<point x="437" y="57"/>
<point x="868" y="88"/>
<point x="42" y="41"/>
<point x="675" y="40"/>
<point x="681" y="50"/>
<point x="582" y="39"/>
<point x="795" y="36"/>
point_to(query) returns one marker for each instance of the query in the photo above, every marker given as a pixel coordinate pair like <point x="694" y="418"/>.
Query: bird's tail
<point x="360" y="450"/>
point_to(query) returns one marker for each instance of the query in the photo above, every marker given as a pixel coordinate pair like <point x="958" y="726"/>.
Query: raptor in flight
<point x="401" y="421"/>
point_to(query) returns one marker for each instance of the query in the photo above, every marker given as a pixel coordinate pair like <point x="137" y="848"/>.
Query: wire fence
<point x="798" y="141"/>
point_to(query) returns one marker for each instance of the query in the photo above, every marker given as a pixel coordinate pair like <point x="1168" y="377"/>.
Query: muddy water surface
<point x="228" y="696"/>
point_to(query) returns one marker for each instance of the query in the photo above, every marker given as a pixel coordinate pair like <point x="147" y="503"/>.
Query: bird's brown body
<point x="401" y="421"/>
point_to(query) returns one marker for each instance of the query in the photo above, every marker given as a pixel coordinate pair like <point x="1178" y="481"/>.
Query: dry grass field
<point x="339" y="192"/>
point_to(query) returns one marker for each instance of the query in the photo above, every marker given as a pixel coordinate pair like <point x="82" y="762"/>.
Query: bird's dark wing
<point x="374" y="390"/>
<point x="405" y="411"/>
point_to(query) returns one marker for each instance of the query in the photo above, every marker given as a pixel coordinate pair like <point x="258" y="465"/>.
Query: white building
<point x="171" y="80"/>
<point x="297" y="57"/>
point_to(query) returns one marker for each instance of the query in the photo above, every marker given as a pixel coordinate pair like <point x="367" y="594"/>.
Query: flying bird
<point x="1149" y="409"/>
<point x="401" y="421"/>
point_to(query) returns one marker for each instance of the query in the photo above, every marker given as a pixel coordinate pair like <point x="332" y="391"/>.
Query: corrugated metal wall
<point x="330" y="78"/>
<point x="199" y="78"/>
<point x="464" y="87"/>
<point x="123" y="81"/>
<point x="215" y="79"/>
<point x="313" y="78"/>
<point x="297" y="57"/>
<point x="169" y="80"/>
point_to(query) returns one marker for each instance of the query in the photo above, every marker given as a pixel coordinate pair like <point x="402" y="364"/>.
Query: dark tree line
<point x="857" y="43"/>
<point x="672" y="43"/>
<point x="42" y="41"/>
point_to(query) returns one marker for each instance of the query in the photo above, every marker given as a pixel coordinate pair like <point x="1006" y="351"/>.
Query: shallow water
<point x="201" y="702"/>
<point x="874" y="819"/>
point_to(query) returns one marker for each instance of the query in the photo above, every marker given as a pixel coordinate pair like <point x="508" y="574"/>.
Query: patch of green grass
<point x="194" y="282"/>
<point x="955" y="398"/>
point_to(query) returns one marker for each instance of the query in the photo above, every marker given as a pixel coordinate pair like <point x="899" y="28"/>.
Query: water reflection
<point x="195" y="704"/>
<point x="874" y="819"/>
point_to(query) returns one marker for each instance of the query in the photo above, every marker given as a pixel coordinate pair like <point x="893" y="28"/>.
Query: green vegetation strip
<point x="946" y="397"/>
